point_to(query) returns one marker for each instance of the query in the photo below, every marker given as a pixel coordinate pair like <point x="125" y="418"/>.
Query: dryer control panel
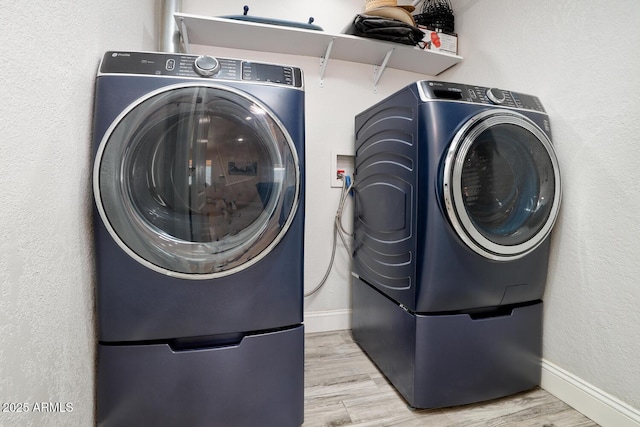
<point x="194" y="66"/>
<point x="478" y="94"/>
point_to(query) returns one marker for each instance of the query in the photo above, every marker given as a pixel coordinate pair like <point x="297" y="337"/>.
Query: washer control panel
<point x="479" y="95"/>
<point x="194" y="66"/>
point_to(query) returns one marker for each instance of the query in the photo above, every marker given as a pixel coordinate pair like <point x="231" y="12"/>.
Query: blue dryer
<point x="457" y="191"/>
<point x="199" y="194"/>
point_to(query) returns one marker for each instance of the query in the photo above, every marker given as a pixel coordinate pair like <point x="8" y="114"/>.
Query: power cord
<point x="338" y="230"/>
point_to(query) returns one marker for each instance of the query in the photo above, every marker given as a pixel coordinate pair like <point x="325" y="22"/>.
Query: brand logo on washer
<point x="115" y="54"/>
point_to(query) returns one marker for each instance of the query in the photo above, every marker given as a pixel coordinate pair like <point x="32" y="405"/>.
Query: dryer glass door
<point x="501" y="185"/>
<point x="197" y="181"/>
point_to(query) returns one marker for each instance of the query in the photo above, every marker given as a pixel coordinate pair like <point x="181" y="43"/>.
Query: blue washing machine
<point x="457" y="191"/>
<point x="199" y="224"/>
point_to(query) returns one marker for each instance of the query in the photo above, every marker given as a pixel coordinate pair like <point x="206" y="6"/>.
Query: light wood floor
<point x="344" y="388"/>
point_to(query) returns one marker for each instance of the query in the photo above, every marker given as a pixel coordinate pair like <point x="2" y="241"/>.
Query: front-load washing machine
<point x="199" y="194"/>
<point x="457" y="191"/>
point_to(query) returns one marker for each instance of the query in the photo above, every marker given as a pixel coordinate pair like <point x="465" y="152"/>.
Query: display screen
<point x="269" y="73"/>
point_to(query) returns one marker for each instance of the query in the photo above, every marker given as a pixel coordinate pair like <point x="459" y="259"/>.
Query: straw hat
<point x="390" y="9"/>
<point x="374" y="4"/>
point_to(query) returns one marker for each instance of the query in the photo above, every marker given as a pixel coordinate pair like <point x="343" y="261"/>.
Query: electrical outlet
<point x="340" y="162"/>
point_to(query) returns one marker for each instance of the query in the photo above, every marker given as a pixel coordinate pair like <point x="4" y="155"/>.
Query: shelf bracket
<point x="379" y="69"/>
<point x="185" y="35"/>
<point x="324" y="61"/>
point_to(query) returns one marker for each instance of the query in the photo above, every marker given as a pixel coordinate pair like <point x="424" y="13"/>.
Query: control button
<point x="170" y="65"/>
<point x="496" y="96"/>
<point x="206" y="65"/>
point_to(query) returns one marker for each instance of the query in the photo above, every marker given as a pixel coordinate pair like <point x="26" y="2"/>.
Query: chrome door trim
<point x="155" y="267"/>
<point x="453" y="198"/>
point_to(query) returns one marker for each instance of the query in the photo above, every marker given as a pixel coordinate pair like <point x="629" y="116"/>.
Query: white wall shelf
<point x="235" y="34"/>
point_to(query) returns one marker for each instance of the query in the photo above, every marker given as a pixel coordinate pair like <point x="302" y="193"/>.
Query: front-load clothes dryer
<point x="199" y="193"/>
<point x="457" y="189"/>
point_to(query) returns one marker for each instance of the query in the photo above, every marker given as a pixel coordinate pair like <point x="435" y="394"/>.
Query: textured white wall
<point x="50" y="53"/>
<point x="582" y="61"/>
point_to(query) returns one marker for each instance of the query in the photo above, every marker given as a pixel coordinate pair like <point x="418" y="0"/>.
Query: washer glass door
<point x="197" y="181"/>
<point x="501" y="185"/>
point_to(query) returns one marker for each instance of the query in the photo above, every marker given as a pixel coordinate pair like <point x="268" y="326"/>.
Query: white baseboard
<point x="325" y="321"/>
<point x="596" y="404"/>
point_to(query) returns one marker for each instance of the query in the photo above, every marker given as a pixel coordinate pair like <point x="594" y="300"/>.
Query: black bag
<point x="392" y="30"/>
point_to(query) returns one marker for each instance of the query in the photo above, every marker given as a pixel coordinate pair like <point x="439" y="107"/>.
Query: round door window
<point x="197" y="181"/>
<point x="501" y="185"/>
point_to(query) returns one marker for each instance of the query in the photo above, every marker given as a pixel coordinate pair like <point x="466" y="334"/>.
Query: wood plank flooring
<point x="344" y="388"/>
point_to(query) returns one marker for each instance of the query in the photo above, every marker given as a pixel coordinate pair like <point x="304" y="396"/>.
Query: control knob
<point x="496" y="96"/>
<point x="206" y="65"/>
